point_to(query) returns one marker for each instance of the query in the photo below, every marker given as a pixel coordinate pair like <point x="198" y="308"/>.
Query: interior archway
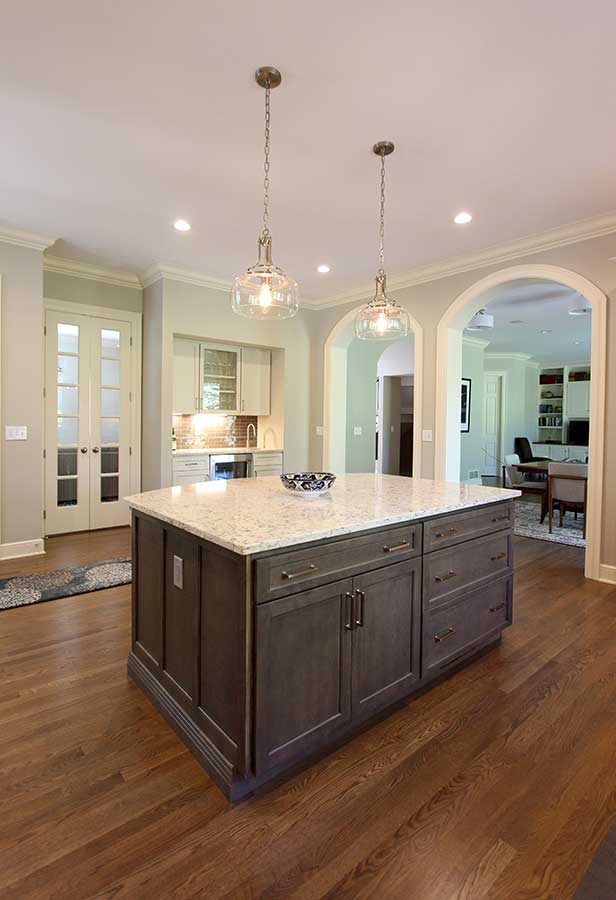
<point x="449" y="369"/>
<point x="335" y="392"/>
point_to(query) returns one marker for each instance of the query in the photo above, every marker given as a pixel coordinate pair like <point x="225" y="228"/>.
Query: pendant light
<point x="481" y="321"/>
<point x="264" y="291"/>
<point x="382" y="319"/>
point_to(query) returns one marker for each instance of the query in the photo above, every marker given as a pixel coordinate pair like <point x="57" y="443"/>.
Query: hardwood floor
<point x="499" y="784"/>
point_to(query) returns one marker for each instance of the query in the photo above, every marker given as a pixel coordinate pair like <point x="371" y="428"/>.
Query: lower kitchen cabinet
<point x="303" y="674"/>
<point x="333" y="655"/>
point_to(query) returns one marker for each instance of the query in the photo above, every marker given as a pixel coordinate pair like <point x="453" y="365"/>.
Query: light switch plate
<point x="426" y="435"/>
<point x="16" y="433"/>
<point x="319" y="430"/>
<point x="178" y="572"/>
<point x="357" y="430"/>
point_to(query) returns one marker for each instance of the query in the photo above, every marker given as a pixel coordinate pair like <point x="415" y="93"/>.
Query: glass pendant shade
<point x="264" y="291"/>
<point x="382" y="319"/>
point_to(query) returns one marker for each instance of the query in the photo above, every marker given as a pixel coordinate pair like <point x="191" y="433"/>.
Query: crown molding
<point x="78" y="269"/>
<point x="173" y="273"/>
<point x="21" y="238"/>
<point x="474" y="342"/>
<point x="582" y="230"/>
<point x="525" y="357"/>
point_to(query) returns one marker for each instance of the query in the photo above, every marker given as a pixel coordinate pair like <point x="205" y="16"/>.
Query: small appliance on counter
<point x="230" y="465"/>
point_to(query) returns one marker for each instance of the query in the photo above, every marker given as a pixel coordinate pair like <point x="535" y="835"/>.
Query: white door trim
<point x="135" y="320"/>
<point x="449" y="332"/>
<point x="337" y="340"/>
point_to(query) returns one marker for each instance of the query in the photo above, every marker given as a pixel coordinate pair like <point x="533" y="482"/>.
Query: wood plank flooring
<point x="498" y="784"/>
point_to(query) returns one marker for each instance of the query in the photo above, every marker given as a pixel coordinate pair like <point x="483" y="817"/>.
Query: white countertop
<point x="250" y="515"/>
<point x="203" y="451"/>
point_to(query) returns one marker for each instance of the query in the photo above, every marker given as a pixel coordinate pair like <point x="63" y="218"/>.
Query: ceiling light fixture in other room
<point x="546" y="331"/>
<point x="382" y="319"/>
<point x="323" y="269"/>
<point x="579" y="306"/>
<point x="463" y="218"/>
<point x="481" y="321"/>
<point x="264" y="291"/>
<point x="181" y="225"/>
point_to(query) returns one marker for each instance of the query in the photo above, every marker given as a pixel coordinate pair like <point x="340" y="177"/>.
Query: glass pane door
<point x="220" y="378"/>
<point x="110" y="423"/>
<point x="67" y="362"/>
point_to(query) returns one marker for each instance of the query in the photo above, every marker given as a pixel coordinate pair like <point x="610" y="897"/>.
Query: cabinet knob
<point x="84" y="449"/>
<point x="95" y="449"/>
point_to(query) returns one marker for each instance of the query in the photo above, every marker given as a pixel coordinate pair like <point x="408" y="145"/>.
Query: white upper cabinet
<point x="185" y="369"/>
<point x="256" y="370"/>
<point x="216" y="378"/>
<point x="578" y="399"/>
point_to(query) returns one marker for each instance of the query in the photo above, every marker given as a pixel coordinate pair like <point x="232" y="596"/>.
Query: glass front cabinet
<point x="219" y="379"/>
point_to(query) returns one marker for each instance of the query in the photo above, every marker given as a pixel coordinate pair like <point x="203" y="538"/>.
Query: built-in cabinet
<point x="218" y="378"/>
<point x="578" y="400"/>
<point x="196" y="467"/>
<point x="560" y="452"/>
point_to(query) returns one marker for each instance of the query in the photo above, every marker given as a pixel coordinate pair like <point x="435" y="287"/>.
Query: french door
<point x="87" y="422"/>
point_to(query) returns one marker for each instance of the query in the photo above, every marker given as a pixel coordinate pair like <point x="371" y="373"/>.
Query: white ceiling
<point x="120" y="118"/>
<point x="538" y="305"/>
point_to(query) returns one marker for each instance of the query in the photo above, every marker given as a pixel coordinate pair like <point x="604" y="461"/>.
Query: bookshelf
<point x="554" y="386"/>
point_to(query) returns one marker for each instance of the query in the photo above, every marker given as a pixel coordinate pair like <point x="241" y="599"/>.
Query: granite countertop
<point x="250" y="515"/>
<point x="203" y="451"/>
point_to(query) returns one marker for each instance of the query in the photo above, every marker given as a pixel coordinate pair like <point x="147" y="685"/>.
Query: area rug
<point x="599" y="882"/>
<point x="528" y="524"/>
<point x="23" y="590"/>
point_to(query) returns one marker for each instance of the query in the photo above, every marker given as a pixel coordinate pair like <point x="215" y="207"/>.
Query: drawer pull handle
<point x="446" y="634"/>
<point x="504" y="518"/>
<point x="403" y="546"/>
<point x="498" y="556"/>
<point x="359" y="615"/>
<point x="443" y="534"/>
<point x="450" y="574"/>
<point x="497" y="607"/>
<point x="348" y="611"/>
<point x="297" y="574"/>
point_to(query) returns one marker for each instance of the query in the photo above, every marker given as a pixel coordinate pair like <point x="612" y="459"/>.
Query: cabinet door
<point x="181" y="617"/>
<point x="578" y="399"/>
<point x="219" y="378"/>
<point x="386" y="636"/>
<point x="303" y="671"/>
<point x="185" y="364"/>
<point x="256" y="367"/>
<point x="189" y="477"/>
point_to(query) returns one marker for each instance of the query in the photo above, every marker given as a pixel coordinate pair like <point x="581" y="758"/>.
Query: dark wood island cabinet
<point x="263" y="660"/>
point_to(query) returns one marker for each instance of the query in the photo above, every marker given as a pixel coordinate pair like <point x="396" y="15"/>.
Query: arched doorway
<point x="449" y="371"/>
<point x="335" y="392"/>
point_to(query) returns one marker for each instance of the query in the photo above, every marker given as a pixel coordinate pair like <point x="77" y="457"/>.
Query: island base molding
<point x="264" y="663"/>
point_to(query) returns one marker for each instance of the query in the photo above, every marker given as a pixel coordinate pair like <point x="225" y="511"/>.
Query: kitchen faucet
<point x="254" y="431"/>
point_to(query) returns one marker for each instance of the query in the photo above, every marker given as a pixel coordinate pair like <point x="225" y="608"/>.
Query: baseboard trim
<point x="22" y="548"/>
<point x="607" y="573"/>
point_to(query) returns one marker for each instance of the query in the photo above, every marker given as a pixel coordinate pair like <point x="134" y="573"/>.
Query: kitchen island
<point x="268" y="627"/>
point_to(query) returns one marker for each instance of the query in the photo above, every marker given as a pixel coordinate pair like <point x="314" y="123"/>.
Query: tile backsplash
<point x="192" y="432"/>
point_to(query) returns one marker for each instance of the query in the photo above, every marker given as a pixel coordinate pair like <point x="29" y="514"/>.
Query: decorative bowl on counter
<point x="308" y="482"/>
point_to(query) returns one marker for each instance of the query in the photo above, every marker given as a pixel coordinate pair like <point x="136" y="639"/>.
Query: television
<point x="578" y="432"/>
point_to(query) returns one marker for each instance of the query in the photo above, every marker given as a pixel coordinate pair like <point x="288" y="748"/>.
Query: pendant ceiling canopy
<point x="264" y="291"/>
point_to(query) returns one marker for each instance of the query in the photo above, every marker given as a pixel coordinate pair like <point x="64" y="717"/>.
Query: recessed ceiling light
<point x="463" y="218"/>
<point x="546" y="331"/>
<point x="323" y="269"/>
<point x="578" y="342"/>
<point x="517" y="322"/>
<point x="181" y="225"/>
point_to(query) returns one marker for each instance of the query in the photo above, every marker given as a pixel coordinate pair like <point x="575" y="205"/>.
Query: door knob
<point x="84" y="449"/>
<point x="94" y="449"/>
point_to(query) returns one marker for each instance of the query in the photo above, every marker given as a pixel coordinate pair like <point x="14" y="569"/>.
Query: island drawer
<point x="449" y="573"/>
<point x="450" y="633"/>
<point x="287" y="573"/>
<point x="449" y="530"/>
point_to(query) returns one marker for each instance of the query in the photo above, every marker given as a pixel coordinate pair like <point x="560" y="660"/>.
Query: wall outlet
<point x="319" y="430"/>
<point x="178" y="572"/>
<point x="357" y="430"/>
<point x="426" y="435"/>
<point x="16" y="433"/>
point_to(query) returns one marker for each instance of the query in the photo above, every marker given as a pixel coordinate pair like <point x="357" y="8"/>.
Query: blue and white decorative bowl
<point x="308" y="482"/>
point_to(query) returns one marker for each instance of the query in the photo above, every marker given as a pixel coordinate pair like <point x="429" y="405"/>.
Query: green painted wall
<point x="57" y="286"/>
<point x="362" y="362"/>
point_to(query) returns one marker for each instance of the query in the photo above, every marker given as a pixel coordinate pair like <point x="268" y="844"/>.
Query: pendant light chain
<point x="382" y="227"/>
<point x="266" y="165"/>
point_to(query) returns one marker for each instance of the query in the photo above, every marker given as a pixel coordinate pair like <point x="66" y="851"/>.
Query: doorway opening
<point x="371" y="388"/>
<point x="535" y="380"/>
